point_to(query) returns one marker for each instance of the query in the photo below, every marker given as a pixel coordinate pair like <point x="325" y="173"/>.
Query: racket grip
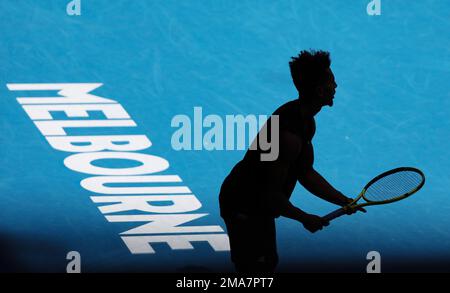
<point x="333" y="215"/>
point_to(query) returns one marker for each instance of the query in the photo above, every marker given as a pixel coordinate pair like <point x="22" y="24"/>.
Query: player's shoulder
<point x="290" y="118"/>
<point x="288" y="108"/>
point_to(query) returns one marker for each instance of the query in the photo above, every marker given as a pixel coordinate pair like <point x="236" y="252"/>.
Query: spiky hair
<point x="309" y="69"/>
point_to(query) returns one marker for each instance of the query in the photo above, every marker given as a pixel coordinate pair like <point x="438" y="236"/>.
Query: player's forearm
<point x="292" y="212"/>
<point x="317" y="185"/>
<point x="279" y="205"/>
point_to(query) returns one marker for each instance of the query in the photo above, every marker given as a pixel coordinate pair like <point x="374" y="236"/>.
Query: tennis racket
<point x="390" y="186"/>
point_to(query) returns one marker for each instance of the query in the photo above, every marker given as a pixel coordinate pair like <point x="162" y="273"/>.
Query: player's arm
<point x="319" y="186"/>
<point x="276" y="171"/>
<point x="315" y="183"/>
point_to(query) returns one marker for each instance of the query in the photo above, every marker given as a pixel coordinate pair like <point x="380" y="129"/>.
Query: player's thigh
<point x="251" y="237"/>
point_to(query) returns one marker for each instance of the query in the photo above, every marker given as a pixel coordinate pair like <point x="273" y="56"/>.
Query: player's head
<point x="313" y="77"/>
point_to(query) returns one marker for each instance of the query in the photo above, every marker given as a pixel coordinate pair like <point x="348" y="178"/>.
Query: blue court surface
<point x="158" y="59"/>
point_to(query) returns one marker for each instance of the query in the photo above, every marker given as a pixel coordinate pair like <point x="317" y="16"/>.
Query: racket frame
<point x="352" y="205"/>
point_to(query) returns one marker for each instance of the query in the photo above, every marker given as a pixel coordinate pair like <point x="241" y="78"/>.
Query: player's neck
<point x="309" y="109"/>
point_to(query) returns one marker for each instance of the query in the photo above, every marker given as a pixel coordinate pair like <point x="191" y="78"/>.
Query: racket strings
<point x="393" y="186"/>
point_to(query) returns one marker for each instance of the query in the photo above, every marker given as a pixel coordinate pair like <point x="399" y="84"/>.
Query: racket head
<point x="393" y="185"/>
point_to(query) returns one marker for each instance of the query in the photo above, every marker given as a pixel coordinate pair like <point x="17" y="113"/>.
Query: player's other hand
<point x="314" y="223"/>
<point x="351" y="210"/>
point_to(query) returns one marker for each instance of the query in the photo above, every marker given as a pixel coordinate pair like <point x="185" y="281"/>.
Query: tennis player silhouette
<point x="256" y="191"/>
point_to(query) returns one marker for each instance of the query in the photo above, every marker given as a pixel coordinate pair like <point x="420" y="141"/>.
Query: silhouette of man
<point x="256" y="191"/>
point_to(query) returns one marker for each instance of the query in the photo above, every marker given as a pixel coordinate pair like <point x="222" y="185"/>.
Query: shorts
<point x="253" y="242"/>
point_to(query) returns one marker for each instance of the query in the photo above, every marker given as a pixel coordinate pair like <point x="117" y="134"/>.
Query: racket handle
<point x="333" y="215"/>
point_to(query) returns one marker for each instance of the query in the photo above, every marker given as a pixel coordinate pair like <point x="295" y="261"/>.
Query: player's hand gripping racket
<point x="390" y="186"/>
